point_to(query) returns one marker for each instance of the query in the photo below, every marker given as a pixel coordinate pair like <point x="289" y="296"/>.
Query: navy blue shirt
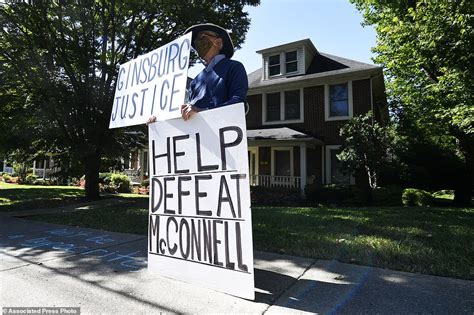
<point x="222" y="82"/>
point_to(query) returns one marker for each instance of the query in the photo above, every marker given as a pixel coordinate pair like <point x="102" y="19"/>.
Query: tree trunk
<point x="92" y="166"/>
<point x="465" y="183"/>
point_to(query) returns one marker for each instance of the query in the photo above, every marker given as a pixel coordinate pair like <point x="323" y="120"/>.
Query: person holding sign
<point x="223" y="81"/>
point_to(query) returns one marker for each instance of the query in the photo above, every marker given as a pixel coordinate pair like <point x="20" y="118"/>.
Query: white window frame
<point x="283" y="71"/>
<point x="272" y="158"/>
<point x="284" y="57"/>
<point x="328" y="176"/>
<point x="350" y="102"/>
<point x="280" y="65"/>
<point x="282" y="109"/>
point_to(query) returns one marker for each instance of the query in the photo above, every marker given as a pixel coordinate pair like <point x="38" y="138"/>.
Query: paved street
<point x="103" y="272"/>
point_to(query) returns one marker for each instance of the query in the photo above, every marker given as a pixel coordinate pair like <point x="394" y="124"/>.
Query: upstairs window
<point x="273" y="107"/>
<point x="274" y="65"/>
<point x="292" y="105"/>
<point x="291" y="61"/>
<point x="283" y="63"/>
<point x="338" y="101"/>
<point x="283" y="107"/>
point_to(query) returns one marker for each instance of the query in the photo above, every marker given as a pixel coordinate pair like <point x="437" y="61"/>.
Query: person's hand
<point x="151" y="120"/>
<point x="188" y="111"/>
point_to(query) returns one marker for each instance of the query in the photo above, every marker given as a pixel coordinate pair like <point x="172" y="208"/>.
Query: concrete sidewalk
<point x="103" y="272"/>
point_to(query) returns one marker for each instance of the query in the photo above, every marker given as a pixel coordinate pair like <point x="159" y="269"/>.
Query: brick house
<point x="298" y="101"/>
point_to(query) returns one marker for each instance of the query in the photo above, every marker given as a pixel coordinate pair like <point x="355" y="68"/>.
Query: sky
<point x="334" y="27"/>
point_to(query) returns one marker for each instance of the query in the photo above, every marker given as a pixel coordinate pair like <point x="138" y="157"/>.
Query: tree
<point x="426" y="49"/>
<point x="368" y="148"/>
<point x="59" y="64"/>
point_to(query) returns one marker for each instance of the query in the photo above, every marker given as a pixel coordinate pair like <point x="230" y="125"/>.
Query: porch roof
<point x="280" y="134"/>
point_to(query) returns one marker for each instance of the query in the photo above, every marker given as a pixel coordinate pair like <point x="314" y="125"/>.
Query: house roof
<point x="279" y="134"/>
<point x="306" y="42"/>
<point x="322" y="66"/>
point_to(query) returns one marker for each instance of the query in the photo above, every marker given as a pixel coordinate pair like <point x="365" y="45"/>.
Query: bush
<point x="332" y="194"/>
<point x="31" y="179"/>
<point x="145" y="182"/>
<point x="7" y="178"/>
<point x="390" y="196"/>
<point x="121" y="182"/>
<point x="105" y="178"/>
<point x="416" y="197"/>
<point x="275" y="196"/>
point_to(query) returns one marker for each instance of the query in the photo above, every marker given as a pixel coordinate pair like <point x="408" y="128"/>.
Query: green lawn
<point x="15" y="197"/>
<point x="438" y="241"/>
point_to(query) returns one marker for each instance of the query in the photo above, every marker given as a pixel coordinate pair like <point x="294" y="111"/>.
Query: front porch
<point x="275" y="181"/>
<point x="278" y="157"/>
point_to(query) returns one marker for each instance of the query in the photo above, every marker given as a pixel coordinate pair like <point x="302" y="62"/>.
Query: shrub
<point x="333" y="194"/>
<point x="387" y="196"/>
<point x="145" y="182"/>
<point x="121" y="182"/>
<point x="105" y="178"/>
<point x="275" y="196"/>
<point x="7" y="178"/>
<point x="416" y="197"/>
<point x="110" y="188"/>
<point x="31" y="179"/>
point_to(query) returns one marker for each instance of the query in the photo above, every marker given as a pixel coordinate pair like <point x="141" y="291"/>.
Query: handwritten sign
<point x="153" y="84"/>
<point x="200" y="227"/>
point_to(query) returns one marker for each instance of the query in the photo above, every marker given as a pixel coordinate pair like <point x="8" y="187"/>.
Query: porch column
<point x="303" y="166"/>
<point x="44" y="168"/>
<point x="34" y="167"/>
<point x="4" y="165"/>
<point x="142" y="166"/>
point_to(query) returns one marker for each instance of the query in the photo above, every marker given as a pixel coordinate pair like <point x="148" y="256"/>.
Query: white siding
<point x="265" y="67"/>
<point x="300" y="53"/>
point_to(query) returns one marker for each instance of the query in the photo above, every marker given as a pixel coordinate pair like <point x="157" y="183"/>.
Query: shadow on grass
<point x="32" y="197"/>
<point x="427" y="240"/>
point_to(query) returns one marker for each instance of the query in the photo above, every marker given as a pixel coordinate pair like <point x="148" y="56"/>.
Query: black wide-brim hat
<point x="228" y="46"/>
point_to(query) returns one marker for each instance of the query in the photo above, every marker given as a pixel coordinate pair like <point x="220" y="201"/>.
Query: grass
<point x="14" y="197"/>
<point x="437" y="241"/>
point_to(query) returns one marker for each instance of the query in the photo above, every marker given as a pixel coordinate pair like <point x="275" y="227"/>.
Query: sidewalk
<point x="103" y="272"/>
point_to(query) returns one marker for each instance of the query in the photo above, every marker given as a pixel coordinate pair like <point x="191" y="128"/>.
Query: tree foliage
<point x="426" y="49"/>
<point x="368" y="147"/>
<point x="59" y="62"/>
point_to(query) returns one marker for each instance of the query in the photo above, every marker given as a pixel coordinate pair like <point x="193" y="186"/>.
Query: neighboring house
<point x="44" y="167"/>
<point x="298" y="101"/>
<point x="136" y="166"/>
<point x="6" y="167"/>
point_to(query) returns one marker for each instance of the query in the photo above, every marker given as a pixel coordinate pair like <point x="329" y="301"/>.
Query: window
<point x="273" y="107"/>
<point x="338" y="101"/>
<point x="286" y="106"/>
<point x="282" y="164"/>
<point x="334" y="174"/>
<point x="292" y="105"/>
<point x="274" y="65"/>
<point x="291" y="59"/>
<point x="283" y="63"/>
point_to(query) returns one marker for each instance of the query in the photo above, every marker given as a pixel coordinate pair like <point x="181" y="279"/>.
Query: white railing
<point x="8" y="170"/>
<point x="275" y="181"/>
<point x="42" y="173"/>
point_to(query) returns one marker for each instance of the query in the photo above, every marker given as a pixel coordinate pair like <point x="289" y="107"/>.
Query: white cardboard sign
<point x="200" y="227"/>
<point x="154" y="84"/>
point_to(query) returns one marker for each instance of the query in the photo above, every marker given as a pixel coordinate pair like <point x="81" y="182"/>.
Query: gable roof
<point x="322" y="66"/>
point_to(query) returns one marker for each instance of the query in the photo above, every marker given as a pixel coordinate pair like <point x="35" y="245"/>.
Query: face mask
<point x="202" y="46"/>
